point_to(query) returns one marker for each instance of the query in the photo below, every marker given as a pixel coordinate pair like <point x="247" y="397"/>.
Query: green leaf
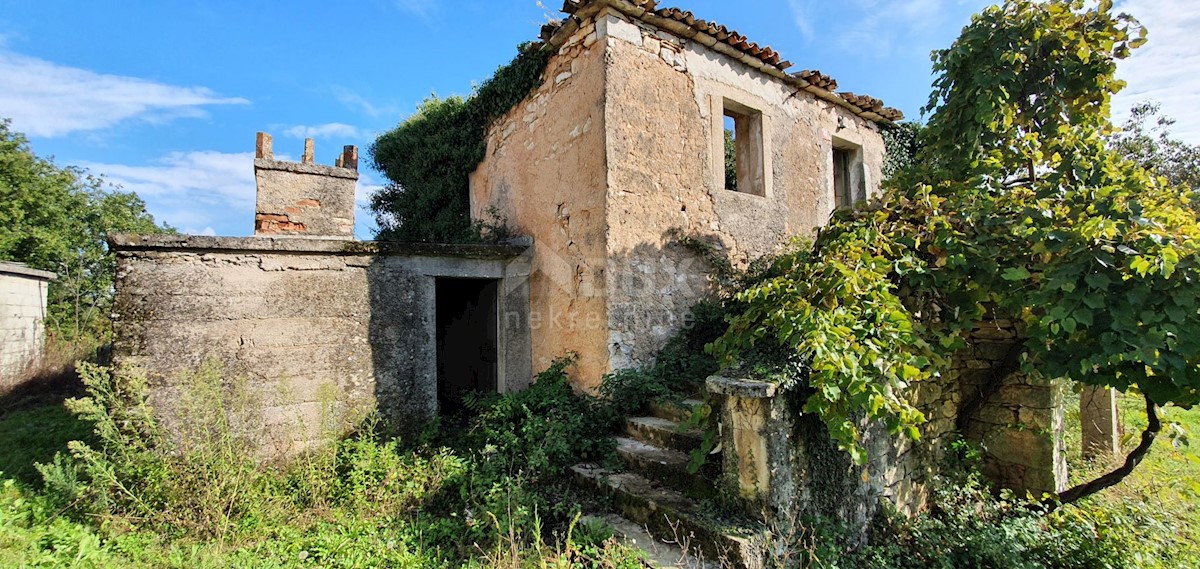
<point x="1015" y="274"/>
<point x="1099" y="281"/>
<point x="1068" y="324"/>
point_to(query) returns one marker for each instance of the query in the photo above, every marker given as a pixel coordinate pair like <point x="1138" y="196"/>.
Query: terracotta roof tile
<point x="739" y="42"/>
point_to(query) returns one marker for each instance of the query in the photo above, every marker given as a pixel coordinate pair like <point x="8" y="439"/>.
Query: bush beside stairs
<point x="654" y="491"/>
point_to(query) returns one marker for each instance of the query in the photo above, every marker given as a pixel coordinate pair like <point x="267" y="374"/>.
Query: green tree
<point x="730" y="161"/>
<point x="429" y="157"/>
<point x="1017" y="206"/>
<point x="1146" y="139"/>
<point x="56" y="219"/>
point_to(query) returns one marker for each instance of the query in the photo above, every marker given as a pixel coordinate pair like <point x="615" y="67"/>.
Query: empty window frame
<point x="742" y="146"/>
<point x="849" y="187"/>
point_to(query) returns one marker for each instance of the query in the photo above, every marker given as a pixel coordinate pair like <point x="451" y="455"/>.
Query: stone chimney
<point x="304" y="199"/>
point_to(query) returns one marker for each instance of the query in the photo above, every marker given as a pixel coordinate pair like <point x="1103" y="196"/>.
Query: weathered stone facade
<point x="325" y="331"/>
<point x="620" y="147"/>
<point x="617" y="152"/>
<point x="22" y="311"/>
<point x="545" y="173"/>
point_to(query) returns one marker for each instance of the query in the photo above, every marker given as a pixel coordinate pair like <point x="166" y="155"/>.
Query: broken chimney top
<point x="303" y="198"/>
<point x="263" y="150"/>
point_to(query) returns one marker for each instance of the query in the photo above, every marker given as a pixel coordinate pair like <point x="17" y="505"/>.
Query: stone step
<point x="667" y="466"/>
<point x="663" y="433"/>
<point x="659" y="554"/>
<point x="671" y="517"/>
<point x="678" y="411"/>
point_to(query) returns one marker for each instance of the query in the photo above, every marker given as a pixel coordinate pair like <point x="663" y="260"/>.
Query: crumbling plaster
<point x="545" y="174"/>
<point x="785" y="467"/>
<point x="304" y="198"/>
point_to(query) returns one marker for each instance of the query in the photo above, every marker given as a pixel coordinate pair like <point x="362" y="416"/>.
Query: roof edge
<point x="22" y="270"/>
<point x="685" y="25"/>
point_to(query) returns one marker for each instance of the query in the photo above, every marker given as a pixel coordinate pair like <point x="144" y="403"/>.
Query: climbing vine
<point x="1015" y="204"/>
<point x="429" y="157"/>
<point x="901" y="146"/>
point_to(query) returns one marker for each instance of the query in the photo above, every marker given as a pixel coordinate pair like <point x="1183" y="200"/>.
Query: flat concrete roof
<point x="22" y="270"/>
<point x="291" y="244"/>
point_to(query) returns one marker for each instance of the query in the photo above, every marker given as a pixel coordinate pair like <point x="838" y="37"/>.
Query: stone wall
<point x="22" y="311"/>
<point x="1020" y="428"/>
<point x="304" y="198"/>
<point x="1015" y="420"/>
<point x="545" y="174"/>
<point x="324" y="331"/>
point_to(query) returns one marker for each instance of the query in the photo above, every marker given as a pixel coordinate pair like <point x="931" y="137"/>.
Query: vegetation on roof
<point x="428" y="158"/>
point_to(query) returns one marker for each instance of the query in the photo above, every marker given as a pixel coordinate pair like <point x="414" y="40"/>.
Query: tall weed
<point x="201" y="479"/>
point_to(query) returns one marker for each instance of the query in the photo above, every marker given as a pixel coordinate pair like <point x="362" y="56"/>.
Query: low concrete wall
<point x="324" y="331"/>
<point x="22" y="309"/>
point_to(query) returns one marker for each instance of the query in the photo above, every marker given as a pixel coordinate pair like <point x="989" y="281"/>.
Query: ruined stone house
<point x="623" y="143"/>
<point x="619" y="148"/>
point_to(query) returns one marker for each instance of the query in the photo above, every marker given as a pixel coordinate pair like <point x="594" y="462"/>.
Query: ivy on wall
<point x="429" y="156"/>
<point x="901" y="142"/>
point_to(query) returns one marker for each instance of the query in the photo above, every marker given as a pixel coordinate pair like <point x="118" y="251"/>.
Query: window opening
<point x="730" y="154"/>
<point x="743" y="149"/>
<point x="849" y="179"/>
<point x="843" y="196"/>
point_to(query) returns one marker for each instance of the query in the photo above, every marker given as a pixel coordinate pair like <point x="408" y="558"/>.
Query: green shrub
<point x="430" y="155"/>
<point x="969" y="525"/>
<point x="360" y="501"/>
<point x="539" y="432"/>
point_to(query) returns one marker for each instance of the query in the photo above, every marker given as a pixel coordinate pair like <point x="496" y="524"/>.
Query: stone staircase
<point x="655" y="491"/>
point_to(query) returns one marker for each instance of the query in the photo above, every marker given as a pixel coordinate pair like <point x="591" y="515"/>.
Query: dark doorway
<point x="466" y="340"/>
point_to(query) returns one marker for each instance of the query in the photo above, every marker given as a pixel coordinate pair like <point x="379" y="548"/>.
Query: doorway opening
<point x="467" y="340"/>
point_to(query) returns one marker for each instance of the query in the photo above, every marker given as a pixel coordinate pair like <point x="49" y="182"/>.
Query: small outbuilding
<point x="23" y="293"/>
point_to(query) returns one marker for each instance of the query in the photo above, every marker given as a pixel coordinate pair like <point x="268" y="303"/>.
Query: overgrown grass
<point x="1158" y="505"/>
<point x="1150" y="520"/>
<point x="489" y="495"/>
<point x="134" y="495"/>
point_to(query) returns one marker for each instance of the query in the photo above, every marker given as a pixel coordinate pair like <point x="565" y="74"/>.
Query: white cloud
<point x="883" y="26"/>
<point x="364" y="220"/>
<point x="47" y="99"/>
<point x="360" y="104"/>
<point x="193" y="191"/>
<point x="212" y="193"/>
<point x="878" y="29"/>
<point x="332" y="129"/>
<point x="802" y="16"/>
<point x="1167" y="68"/>
<point x="420" y="8"/>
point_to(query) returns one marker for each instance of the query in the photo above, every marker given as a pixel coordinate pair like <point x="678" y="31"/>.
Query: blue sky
<point x="164" y="98"/>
